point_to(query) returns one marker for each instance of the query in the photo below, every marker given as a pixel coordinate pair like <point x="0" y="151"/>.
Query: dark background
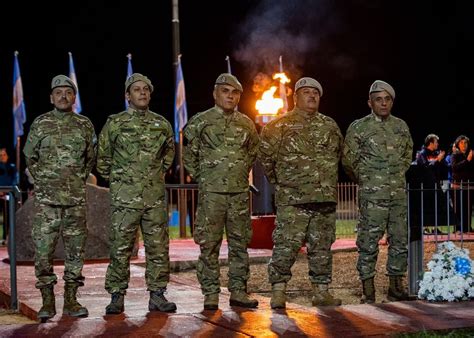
<point x="423" y="48"/>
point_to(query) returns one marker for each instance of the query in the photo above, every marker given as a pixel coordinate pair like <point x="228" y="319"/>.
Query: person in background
<point x="463" y="182"/>
<point x="136" y="148"/>
<point x="300" y="152"/>
<point x="60" y="153"/>
<point x="449" y="162"/>
<point x="220" y="149"/>
<point x="377" y="154"/>
<point x="433" y="171"/>
<point x="8" y="177"/>
<point x="431" y="158"/>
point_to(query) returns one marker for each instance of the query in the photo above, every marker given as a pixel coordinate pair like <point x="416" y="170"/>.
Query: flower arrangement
<point x="450" y="277"/>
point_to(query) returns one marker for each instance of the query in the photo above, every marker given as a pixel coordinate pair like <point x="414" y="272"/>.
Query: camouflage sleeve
<point x="338" y="139"/>
<point x="268" y="151"/>
<point x="350" y="152"/>
<point x="408" y="151"/>
<point x="104" y="152"/>
<point x="253" y="146"/>
<point x="169" y="150"/>
<point x="191" y="150"/>
<point x="31" y="151"/>
<point x="91" y="150"/>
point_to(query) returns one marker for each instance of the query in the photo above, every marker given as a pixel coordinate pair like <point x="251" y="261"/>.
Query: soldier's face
<point x="307" y="99"/>
<point x="63" y="98"/>
<point x="226" y="97"/>
<point x="381" y="103"/>
<point x="139" y="95"/>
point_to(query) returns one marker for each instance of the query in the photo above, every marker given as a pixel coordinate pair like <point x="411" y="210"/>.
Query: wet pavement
<point x="190" y="320"/>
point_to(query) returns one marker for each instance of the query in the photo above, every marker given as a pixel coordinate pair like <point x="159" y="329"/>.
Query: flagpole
<point x="182" y="207"/>
<point x="283" y="88"/>
<point x="18" y="140"/>
<point x="229" y="70"/>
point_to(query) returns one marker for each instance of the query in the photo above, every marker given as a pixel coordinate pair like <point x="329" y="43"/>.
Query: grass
<point x="466" y="332"/>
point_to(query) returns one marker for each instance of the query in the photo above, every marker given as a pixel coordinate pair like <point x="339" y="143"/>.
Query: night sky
<point x="421" y="47"/>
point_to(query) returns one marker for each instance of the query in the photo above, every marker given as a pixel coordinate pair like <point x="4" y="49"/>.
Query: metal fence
<point x="182" y="203"/>
<point x="436" y="213"/>
<point x="14" y="197"/>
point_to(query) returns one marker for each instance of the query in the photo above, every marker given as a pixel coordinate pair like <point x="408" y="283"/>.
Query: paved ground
<point x="190" y="320"/>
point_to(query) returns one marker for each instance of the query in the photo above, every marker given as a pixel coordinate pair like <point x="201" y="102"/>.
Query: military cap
<point x="138" y="77"/>
<point x="309" y="82"/>
<point x="63" y="81"/>
<point x="380" y="85"/>
<point x="229" y="79"/>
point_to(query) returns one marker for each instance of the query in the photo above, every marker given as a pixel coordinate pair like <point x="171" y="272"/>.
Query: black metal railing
<point x="14" y="196"/>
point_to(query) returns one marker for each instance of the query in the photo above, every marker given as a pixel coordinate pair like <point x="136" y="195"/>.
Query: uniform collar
<point x="380" y="119"/>
<point x="305" y="113"/>
<point x="137" y="111"/>
<point x="220" y="110"/>
<point x="61" y="114"/>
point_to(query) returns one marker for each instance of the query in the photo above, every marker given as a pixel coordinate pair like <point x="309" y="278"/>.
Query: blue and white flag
<point x="19" y="112"/>
<point x="77" y="107"/>
<point x="129" y="73"/>
<point x="180" y="110"/>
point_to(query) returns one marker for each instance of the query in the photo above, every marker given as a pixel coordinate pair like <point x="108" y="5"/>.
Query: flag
<point x="19" y="112"/>
<point x="129" y="73"/>
<point x="77" y="107"/>
<point x="180" y="110"/>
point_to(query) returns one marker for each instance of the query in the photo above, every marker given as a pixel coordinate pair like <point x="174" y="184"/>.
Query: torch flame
<point x="268" y="104"/>
<point x="281" y="77"/>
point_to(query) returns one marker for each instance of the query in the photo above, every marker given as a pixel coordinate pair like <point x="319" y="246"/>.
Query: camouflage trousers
<point x="217" y="212"/>
<point x="153" y="223"/>
<point x="376" y="217"/>
<point x="49" y="222"/>
<point x="295" y="226"/>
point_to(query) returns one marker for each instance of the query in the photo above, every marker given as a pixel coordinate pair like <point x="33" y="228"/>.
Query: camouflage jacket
<point x="60" y="154"/>
<point x="300" y="154"/>
<point x="220" y="150"/>
<point x="135" y="150"/>
<point x="376" y="155"/>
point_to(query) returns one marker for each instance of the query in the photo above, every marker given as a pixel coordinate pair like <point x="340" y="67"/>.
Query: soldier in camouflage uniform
<point x="136" y="148"/>
<point x="300" y="152"/>
<point x="221" y="148"/>
<point x="376" y="155"/>
<point x="60" y="154"/>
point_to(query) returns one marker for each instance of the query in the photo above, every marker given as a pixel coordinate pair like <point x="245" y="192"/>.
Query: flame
<point x="281" y="77"/>
<point x="269" y="105"/>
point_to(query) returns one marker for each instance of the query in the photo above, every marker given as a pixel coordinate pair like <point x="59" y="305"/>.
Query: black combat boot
<point x="71" y="305"/>
<point x="368" y="289"/>
<point x="48" y="310"/>
<point x="116" y="304"/>
<point x="158" y="302"/>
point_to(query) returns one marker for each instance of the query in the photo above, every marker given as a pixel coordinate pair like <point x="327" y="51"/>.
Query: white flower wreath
<point x="450" y="277"/>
